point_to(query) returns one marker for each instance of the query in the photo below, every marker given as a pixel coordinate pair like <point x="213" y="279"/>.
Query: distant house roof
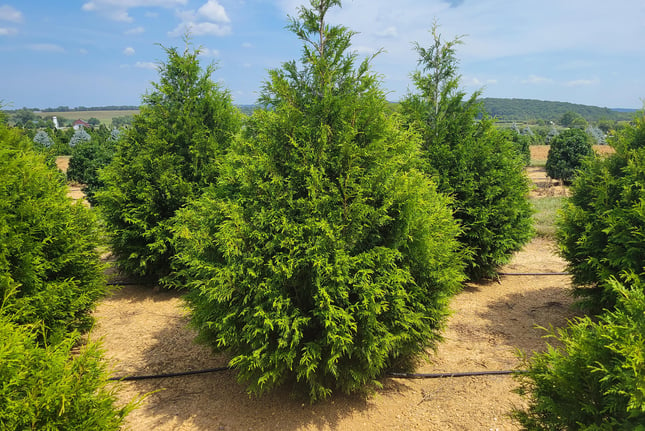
<point x="80" y="123"/>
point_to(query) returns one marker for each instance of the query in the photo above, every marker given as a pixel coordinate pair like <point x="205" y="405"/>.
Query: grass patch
<point x="546" y="211"/>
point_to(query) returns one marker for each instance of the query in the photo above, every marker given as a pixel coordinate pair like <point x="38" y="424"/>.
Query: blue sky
<point x="104" y="52"/>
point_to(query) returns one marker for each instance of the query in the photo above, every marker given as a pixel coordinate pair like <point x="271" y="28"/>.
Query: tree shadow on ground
<point x="216" y="401"/>
<point x="518" y="319"/>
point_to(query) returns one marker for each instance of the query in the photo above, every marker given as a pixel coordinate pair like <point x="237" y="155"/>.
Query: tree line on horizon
<point x="502" y="109"/>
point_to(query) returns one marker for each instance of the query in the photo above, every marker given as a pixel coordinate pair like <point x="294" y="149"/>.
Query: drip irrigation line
<point x="166" y="375"/>
<point x="448" y="375"/>
<point x="534" y="273"/>
<point x="125" y="283"/>
<point x="393" y="375"/>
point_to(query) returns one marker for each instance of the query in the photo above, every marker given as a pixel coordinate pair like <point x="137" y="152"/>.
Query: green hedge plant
<point x="566" y="153"/>
<point x="164" y="160"/>
<point x="595" y="380"/>
<point x="481" y="167"/>
<point x="88" y="158"/>
<point x="322" y="257"/>
<point x="49" y="265"/>
<point x="50" y="387"/>
<point x="601" y="229"/>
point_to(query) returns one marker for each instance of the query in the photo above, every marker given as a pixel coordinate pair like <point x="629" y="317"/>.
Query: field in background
<point x="105" y="117"/>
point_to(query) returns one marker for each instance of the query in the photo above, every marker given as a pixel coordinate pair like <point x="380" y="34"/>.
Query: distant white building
<point x="55" y="120"/>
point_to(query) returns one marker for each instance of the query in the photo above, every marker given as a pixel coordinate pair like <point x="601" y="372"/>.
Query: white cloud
<point x="8" y="31"/>
<point x="146" y="65"/>
<point x="83" y="51"/>
<point x="388" y="32"/>
<point x="134" y="31"/>
<point x="210" y="19"/>
<point x="582" y="82"/>
<point x="128" y="51"/>
<point x="117" y="10"/>
<point x="536" y="80"/>
<point x="476" y="82"/>
<point x="9" y="13"/>
<point x="207" y="52"/>
<point x="213" y="11"/>
<point x="45" y="47"/>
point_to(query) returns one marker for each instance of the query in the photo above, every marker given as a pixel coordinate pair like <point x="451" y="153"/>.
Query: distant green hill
<point x="529" y="109"/>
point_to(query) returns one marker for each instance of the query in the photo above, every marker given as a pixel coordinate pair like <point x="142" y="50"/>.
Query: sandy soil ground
<point x="145" y="332"/>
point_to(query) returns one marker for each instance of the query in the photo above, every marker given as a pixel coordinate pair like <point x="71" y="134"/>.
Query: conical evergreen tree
<point x="164" y="160"/>
<point x="473" y="162"/>
<point x="322" y="256"/>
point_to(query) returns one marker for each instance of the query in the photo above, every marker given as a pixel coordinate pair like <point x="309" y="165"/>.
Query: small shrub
<point x="88" y="158"/>
<point x="78" y="137"/>
<point x="49" y="267"/>
<point x="596" y="380"/>
<point x="568" y="149"/>
<point x="42" y="140"/>
<point x="50" y="388"/>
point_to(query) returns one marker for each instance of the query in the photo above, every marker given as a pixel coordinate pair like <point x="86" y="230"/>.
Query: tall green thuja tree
<point x="164" y="160"/>
<point x="471" y="160"/>
<point x="601" y="228"/>
<point x="322" y="256"/>
<point x="50" y="272"/>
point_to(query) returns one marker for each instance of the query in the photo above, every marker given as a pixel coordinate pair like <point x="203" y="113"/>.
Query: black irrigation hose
<point x="165" y="375"/>
<point x="447" y="375"/>
<point x="533" y="273"/>
<point x="393" y="375"/>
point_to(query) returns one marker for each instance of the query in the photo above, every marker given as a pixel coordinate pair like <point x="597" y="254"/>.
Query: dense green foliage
<point x="88" y="157"/>
<point x="522" y="143"/>
<point x="566" y="154"/>
<point x="529" y="109"/>
<point x="596" y="379"/>
<point x="472" y="161"/>
<point x="50" y="388"/>
<point x="602" y="227"/>
<point x="163" y="161"/>
<point x="322" y="256"/>
<point x="49" y="265"/>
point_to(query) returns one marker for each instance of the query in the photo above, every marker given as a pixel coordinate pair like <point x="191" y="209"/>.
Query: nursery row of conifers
<point x="318" y="240"/>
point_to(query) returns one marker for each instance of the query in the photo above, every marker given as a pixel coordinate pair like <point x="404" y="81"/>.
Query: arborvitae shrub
<point x="88" y="157"/>
<point x="595" y="380"/>
<point x="322" y="256"/>
<point x="601" y="229"/>
<point x="567" y="151"/>
<point x="50" y="388"/>
<point x="163" y="161"/>
<point x="49" y="264"/>
<point x="473" y="162"/>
